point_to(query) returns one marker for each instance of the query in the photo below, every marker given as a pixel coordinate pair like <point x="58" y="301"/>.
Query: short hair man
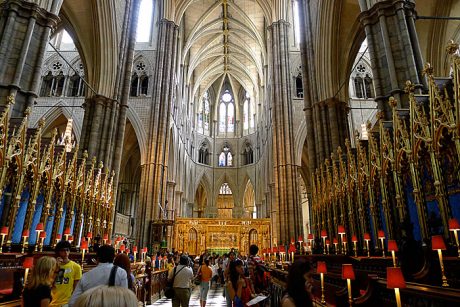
<point x="100" y="275"/>
<point x="67" y="278"/>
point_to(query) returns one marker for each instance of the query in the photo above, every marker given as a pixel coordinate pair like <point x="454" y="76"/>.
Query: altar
<point x="196" y="235"/>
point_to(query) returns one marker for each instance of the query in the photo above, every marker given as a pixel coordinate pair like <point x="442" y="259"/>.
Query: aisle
<point x="215" y="299"/>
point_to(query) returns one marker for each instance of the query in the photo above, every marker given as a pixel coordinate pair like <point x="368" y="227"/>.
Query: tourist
<point x="105" y="296"/>
<point x="226" y="270"/>
<point x="298" y="292"/>
<point x="100" y="275"/>
<point x="183" y="276"/>
<point x="68" y="276"/>
<point x="256" y="269"/>
<point x="122" y="260"/>
<point x="205" y="272"/>
<point x="239" y="287"/>
<point x="37" y="292"/>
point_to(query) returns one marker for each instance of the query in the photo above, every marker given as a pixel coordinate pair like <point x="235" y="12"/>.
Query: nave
<point x="215" y="299"/>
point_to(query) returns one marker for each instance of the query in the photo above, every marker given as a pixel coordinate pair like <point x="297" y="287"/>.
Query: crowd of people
<point x="58" y="281"/>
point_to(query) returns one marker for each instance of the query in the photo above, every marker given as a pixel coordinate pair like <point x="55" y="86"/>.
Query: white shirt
<point x="184" y="276"/>
<point x="97" y="277"/>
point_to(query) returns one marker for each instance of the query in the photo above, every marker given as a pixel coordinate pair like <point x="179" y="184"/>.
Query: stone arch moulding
<point x="203" y="181"/>
<point x="140" y="133"/>
<point x="299" y="140"/>
<point x="58" y="109"/>
<point x="220" y="181"/>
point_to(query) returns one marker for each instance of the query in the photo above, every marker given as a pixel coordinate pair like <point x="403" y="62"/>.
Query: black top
<point x="33" y="297"/>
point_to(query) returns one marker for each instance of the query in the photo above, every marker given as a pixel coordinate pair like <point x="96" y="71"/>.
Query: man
<point x="100" y="275"/>
<point x="67" y="278"/>
<point x="226" y="268"/>
<point x="253" y="262"/>
<point x="183" y="275"/>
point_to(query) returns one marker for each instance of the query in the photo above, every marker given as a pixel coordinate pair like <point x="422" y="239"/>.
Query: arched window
<point x="226" y="157"/>
<point x="47" y="84"/>
<point x="299" y="86"/>
<point x="144" y="24"/>
<point x="76" y="86"/>
<point x="369" y="87"/>
<point x="225" y="189"/>
<point x="248" y="155"/>
<point x="359" y="87"/>
<point x="203" y="114"/>
<point x="246" y="115"/>
<point x="144" y="85"/>
<point x="59" y="85"/>
<point x="203" y="154"/>
<point x="134" y="86"/>
<point x="226" y="113"/>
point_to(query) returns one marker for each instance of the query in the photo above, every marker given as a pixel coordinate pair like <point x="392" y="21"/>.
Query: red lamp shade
<point x="392" y="246"/>
<point x="275" y="249"/>
<point x="335" y="241"/>
<point x="4" y="231"/>
<point x="292" y="249"/>
<point x="354" y="238"/>
<point x="28" y="263"/>
<point x="340" y="229"/>
<point x="310" y="236"/>
<point x="145" y="249"/>
<point x="282" y="249"/>
<point x="453" y="224"/>
<point x="84" y="245"/>
<point x="323" y="233"/>
<point x="437" y="242"/>
<point x="106" y="236"/>
<point x="25" y="233"/>
<point x="395" y="278"/>
<point x="58" y="237"/>
<point x="67" y="231"/>
<point x="39" y="227"/>
<point x="122" y="247"/>
<point x="134" y="249"/>
<point x="347" y="272"/>
<point x="300" y="239"/>
<point x="70" y="238"/>
<point x="381" y="234"/>
<point x="367" y="236"/>
<point x="42" y="235"/>
<point x="89" y="235"/>
<point x="292" y="241"/>
<point x="321" y="267"/>
<point x="328" y="241"/>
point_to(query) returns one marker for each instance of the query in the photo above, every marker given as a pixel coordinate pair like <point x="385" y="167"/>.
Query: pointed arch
<point x="141" y="135"/>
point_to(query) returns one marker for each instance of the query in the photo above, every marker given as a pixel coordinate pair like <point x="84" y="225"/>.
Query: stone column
<point x="289" y="220"/>
<point x="153" y="188"/>
<point x="25" y="28"/>
<point x="393" y="47"/>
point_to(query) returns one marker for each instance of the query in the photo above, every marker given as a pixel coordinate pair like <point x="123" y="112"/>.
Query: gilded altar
<point x="195" y="235"/>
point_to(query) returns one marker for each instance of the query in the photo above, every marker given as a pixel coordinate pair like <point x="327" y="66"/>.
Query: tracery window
<point x="203" y="154"/>
<point x="139" y="81"/>
<point x="225" y="189"/>
<point x="248" y="154"/>
<point x="53" y="85"/>
<point x="203" y="114"/>
<point x="248" y="113"/>
<point x="299" y="86"/>
<point x="76" y="86"/>
<point x="226" y="157"/>
<point x="226" y="113"/>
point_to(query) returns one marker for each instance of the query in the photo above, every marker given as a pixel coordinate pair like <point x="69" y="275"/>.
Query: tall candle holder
<point x="25" y="235"/>
<point x="89" y="236"/>
<point x="454" y="226"/>
<point x="83" y="248"/>
<point x="135" y="253"/>
<point x="345" y="242"/>
<point x="437" y="243"/>
<point x="38" y="229"/>
<point x="395" y="280"/>
<point x="341" y="232"/>
<point x="3" y="234"/>
<point x="27" y="264"/>
<point x="300" y="240"/>
<point x="58" y="238"/>
<point x="367" y="238"/>
<point x="328" y="243"/>
<point x="70" y="239"/>
<point x="311" y="238"/>
<point x="105" y="238"/>
<point x="349" y="275"/>
<point x="324" y="236"/>
<point x="393" y="247"/>
<point x="354" y="239"/>
<point x="321" y="269"/>
<point x="42" y="240"/>
<point x="336" y="243"/>
<point x="381" y="236"/>
<point x="122" y="248"/>
<point x="291" y="252"/>
<point x="67" y="233"/>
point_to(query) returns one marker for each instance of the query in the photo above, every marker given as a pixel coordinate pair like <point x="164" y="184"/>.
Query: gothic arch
<point x="300" y="137"/>
<point x="54" y="112"/>
<point x="140" y="133"/>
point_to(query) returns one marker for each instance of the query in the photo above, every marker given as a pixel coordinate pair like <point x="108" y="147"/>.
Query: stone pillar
<point x="153" y="188"/>
<point x="393" y="47"/>
<point x="289" y="222"/>
<point x="25" y="28"/>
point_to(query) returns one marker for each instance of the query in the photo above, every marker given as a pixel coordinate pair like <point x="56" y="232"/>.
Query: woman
<point x="240" y="287"/>
<point x="205" y="272"/>
<point x="298" y="285"/>
<point x="105" y="296"/>
<point x="37" y="291"/>
<point x="122" y="261"/>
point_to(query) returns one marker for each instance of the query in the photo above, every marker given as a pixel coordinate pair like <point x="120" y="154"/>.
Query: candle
<point x="84" y="248"/>
<point x="3" y="233"/>
<point x="134" y="252"/>
<point x="322" y="269"/>
<point x="328" y="242"/>
<point x="335" y="242"/>
<point x="354" y="239"/>
<point x="393" y="247"/>
<point x="437" y="243"/>
<point x="341" y="232"/>
<point x="310" y="239"/>
<point x="25" y="235"/>
<point x="381" y="236"/>
<point x="454" y="226"/>
<point x="42" y="240"/>
<point x="349" y="275"/>
<point x="38" y="229"/>
<point x="67" y="233"/>
<point x="324" y="236"/>
<point x="367" y="238"/>
<point x="89" y="235"/>
<point x="105" y="238"/>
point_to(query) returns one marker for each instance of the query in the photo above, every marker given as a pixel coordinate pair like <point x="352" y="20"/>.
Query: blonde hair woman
<point x="105" y="296"/>
<point x="37" y="291"/>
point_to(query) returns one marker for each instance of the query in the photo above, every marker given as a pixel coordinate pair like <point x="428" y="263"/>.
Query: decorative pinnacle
<point x="427" y="69"/>
<point x="85" y="154"/>
<point x="452" y="47"/>
<point x="368" y="125"/>
<point x="27" y="112"/>
<point x="11" y="99"/>
<point x="410" y="86"/>
<point x="41" y="122"/>
<point x="380" y="115"/>
<point x="392" y="102"/>
<point x="101" y="164"/>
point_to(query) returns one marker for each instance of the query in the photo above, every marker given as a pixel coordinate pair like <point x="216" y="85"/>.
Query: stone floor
<point x="215" y="299"/>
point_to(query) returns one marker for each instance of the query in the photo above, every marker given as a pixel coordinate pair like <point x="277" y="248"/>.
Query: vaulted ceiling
<point x="224" y="39"/>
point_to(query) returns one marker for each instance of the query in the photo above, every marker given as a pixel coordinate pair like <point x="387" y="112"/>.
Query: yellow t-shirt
<point x="69" y="273"/>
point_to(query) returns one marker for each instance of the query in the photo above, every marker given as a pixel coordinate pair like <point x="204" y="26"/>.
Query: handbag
<point x="169" y="289"/>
